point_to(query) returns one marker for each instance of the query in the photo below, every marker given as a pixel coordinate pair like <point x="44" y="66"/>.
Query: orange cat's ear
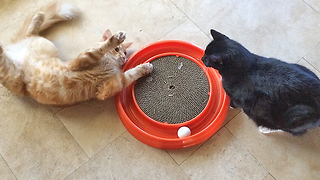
<point x="126" y="45"/>
<point x="106" y="35"/>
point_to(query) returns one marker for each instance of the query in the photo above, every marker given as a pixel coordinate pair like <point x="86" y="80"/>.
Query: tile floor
<point x="88" y="140"/>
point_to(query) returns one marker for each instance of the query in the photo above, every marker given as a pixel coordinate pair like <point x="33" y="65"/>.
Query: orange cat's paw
<point x="39" y="17"/>
<point x="118" y="38"/>
<point x="146" y="68"/>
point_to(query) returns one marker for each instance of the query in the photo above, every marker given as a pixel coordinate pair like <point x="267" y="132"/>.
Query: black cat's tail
<point x="54" y="12"/>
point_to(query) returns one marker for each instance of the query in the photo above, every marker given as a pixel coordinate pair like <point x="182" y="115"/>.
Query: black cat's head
<point x="225" y="54"/>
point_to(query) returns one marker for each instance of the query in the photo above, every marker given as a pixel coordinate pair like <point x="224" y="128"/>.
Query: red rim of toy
<point x="164" y="135"/>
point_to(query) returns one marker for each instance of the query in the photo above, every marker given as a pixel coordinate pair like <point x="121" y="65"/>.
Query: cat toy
<point x="180" y="104"/>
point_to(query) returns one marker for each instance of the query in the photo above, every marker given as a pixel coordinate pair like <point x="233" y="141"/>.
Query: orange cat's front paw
<point x="118" y="38"/>
<point x="145" y="68"/>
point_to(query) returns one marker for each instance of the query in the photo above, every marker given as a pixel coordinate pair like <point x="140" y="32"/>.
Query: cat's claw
<point x="118" y="38"/>
<point x="148" y="67"/>
<point x="266" y="130"/>
<point x="145" y="68"/>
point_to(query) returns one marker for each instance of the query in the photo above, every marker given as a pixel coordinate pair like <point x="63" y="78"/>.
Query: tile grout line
<point x="8" y="166"/>
<point x="190" y="154"/>
<point x="304" y="57"/>
<point x="311" y="7"/>
<point x="190" y="19"/>
<point x="55" y="114"/>
<point x="312" y="49"/>
<point x="310" y="64"/>
<point x="187" y="18"/>
<point x="246" y="148"/>
<point x="89" y="158"/>
<point x="185" y="173"/>
<point x="174" y="28"/>
<point x="22" y="19"/>
<point x="204" y="142"/>
<point x="272" y="176"/>
<point x="72" y="136"/>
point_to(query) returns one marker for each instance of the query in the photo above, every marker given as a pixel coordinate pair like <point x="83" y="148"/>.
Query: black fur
<point x="273" y="93"/>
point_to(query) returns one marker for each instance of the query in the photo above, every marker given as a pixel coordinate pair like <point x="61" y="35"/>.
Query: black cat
<point x="274" y="94"/>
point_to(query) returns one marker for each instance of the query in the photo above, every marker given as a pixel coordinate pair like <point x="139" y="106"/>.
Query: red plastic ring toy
<point x="164" y="135"/>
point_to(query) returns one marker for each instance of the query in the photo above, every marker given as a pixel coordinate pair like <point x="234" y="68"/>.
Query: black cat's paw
<point x="266" y="130"/>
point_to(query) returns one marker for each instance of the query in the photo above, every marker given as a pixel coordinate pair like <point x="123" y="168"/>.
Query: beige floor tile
<point x="313" y="57"/>
<point x="230" y="115"/>
<point x="283" y="28"/>
<point x="283" y="155"/>
<point x="36" y="145"/>
<point x="314" y="4"/>
<point x="6" y="34"/>
<point x="34" y="142"/>
<point x="307" y="64"/>
<point x="143" y="21"/>
<point x="189" y="32"/>
<point x="269" y="177"/>
<point x="180" y="155"/>
<point x="13" y="11"/>
<point x="93" y="124"/>
<point x="143" y="27"/>
<point x="127" y="158"/>
<point x="5" y="172"/>
<point x="223" y="157"/>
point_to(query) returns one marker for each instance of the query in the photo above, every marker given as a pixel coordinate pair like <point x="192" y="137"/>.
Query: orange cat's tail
<point x="54" y="12"/>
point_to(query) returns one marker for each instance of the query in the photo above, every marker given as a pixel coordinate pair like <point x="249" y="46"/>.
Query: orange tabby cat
<point x="31" y="66"/>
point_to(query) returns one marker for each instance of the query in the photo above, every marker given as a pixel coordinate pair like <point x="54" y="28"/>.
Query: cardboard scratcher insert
<point x="175" y="92"/>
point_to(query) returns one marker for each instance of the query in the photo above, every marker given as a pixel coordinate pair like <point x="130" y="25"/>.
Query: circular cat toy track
<point x="181" y="94"/>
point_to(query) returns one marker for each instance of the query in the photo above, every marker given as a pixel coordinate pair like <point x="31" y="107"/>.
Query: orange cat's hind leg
<point x="92" y="56"/>
<point x="10" y="75"/>
<point x="36" y="22"/>
<point x="115" y="84"/>
<point x="55" y="11"/>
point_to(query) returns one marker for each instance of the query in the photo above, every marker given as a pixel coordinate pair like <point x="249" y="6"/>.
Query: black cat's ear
<point x="218" y="36"/>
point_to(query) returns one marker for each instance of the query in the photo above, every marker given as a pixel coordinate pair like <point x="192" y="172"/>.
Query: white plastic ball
<point x="184" y="132"/>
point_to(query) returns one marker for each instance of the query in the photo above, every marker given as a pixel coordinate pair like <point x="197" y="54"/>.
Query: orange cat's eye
<point x="116" y="49"/>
